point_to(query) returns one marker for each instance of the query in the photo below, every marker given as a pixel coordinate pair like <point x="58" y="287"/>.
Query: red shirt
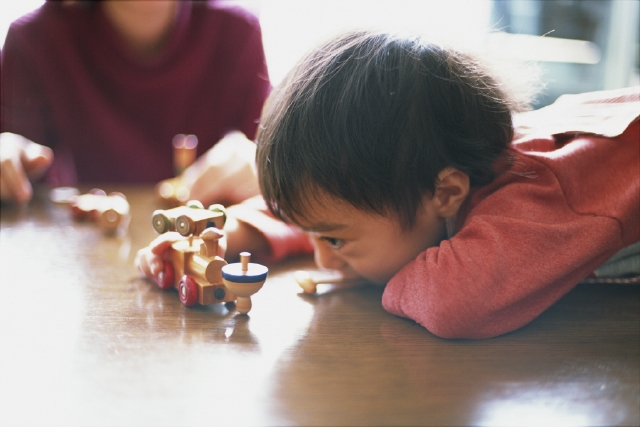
<point x="569" y="203"/>
<point x="69" y="82"/>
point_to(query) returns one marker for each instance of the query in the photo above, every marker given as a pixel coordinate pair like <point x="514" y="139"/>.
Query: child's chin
<point x="377" y="280"/>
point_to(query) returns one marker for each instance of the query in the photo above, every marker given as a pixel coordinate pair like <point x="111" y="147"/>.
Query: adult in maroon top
<point x="109" y="103"/>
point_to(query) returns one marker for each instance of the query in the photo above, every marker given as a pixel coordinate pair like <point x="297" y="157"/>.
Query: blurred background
<point x="576" y="45"/>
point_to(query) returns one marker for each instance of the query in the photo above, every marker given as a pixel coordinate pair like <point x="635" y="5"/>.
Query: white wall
<point x="10" y="10"/>
<point x="292" y="27"/>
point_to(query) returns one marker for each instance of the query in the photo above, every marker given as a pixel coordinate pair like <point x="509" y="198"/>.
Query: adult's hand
<point x="226" y="173"/>
<point x="21" y="160"/>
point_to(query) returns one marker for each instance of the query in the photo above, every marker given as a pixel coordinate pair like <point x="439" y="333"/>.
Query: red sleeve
<point x="284" y="240"/>
<point x="498" y="274"/>
<point x="527" y="239"/>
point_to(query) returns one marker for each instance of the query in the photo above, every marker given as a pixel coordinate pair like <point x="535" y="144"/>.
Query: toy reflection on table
<point x="110" y="212"/>
<point x="172" y="192"/>
<point x="195" y="269"/>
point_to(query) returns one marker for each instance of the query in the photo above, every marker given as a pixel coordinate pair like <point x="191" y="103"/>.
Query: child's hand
<point x="149" y="260"/>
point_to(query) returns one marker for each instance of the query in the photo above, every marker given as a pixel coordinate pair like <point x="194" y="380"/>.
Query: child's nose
<point x="326" y="258"/>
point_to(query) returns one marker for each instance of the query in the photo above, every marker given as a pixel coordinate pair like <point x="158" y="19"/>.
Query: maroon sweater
<point x="69" y="82"/>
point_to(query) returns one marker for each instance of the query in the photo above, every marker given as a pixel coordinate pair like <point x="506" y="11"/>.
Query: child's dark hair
<point x="372" y="118"/>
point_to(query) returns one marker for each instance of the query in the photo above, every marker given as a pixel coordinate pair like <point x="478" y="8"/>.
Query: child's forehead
<point x="324" y="213"/>
<point x="323" y="227"/>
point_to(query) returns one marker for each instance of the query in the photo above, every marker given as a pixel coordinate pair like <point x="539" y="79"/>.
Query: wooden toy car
<point x="194" y="268"/>
<point x="110" y="212"/>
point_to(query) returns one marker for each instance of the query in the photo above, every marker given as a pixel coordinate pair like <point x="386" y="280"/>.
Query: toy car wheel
<point x="165" y="277"/>
<point x="188" y="290"/>
<point x="160" y="222"/>
<point x="93" y="214"/>
<point x="185" y="225"/>
<point x="77" y="213"/>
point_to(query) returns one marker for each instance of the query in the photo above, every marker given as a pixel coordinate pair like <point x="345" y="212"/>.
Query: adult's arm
<point x="226" y="173"/>
<point x="22" y="121"/>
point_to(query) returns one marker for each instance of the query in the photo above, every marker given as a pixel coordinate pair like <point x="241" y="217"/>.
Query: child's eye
<point x="333" y="242"/>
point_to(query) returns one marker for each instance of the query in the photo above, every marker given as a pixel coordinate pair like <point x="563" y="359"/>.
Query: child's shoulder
<point x="52" y="25"/>
<point x="579" y="156"/>
<point x="228" y="11"/>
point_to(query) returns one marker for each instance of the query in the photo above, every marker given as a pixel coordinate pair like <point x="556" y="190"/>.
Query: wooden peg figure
<point x="172" y="191"/>
<point x="184" y="152"/>
<point x="209" y="246"/>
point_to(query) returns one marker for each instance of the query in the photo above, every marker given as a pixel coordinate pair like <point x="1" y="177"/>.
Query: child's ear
<point x="452" y="189"/>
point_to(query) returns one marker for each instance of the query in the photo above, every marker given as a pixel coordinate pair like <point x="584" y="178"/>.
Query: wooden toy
<point x="309" y="283"/>
<point x="184" y="152"/>
<point x="110" y="212"/>
<point x="194" y="268"/>
<point x="63" y="195"/>
<point x="190" y="220"/>
<point x="244" y="279"/>
<point x="172" y="191"/>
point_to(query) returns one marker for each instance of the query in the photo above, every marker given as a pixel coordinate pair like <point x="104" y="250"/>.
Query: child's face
<point x="370" y="245"/>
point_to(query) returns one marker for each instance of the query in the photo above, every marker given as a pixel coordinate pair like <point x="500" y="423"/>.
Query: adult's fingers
<point x="36" y="159"/>
<point x="20" y="158"/>
<point x="14" y="184"/>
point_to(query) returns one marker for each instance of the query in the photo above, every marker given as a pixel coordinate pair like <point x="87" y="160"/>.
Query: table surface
<point x="86" y="341"/>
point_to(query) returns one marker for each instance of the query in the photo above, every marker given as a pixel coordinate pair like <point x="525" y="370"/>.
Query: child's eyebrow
<point x="323" y="227"/>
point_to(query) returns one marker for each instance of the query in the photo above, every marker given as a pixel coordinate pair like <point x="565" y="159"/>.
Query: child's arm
<point x="527" y="239"/>
<point x="278" y="240"/>
<point x="498" y="274"/>
<point x="249" y="227"/>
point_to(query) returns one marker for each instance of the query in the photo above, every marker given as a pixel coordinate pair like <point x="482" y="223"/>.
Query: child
<point x="400" y="161"/>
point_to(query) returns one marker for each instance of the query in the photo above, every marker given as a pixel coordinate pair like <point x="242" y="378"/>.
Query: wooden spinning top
<point x="244" y="279"/>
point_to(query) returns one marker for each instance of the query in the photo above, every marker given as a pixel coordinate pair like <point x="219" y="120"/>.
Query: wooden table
<point x="86" y="341"/>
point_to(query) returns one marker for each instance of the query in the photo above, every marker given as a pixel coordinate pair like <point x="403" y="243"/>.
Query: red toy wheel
<point x="188" y="290"/>
<point x="77" y="213"/>
<point x="165" y="277"/>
